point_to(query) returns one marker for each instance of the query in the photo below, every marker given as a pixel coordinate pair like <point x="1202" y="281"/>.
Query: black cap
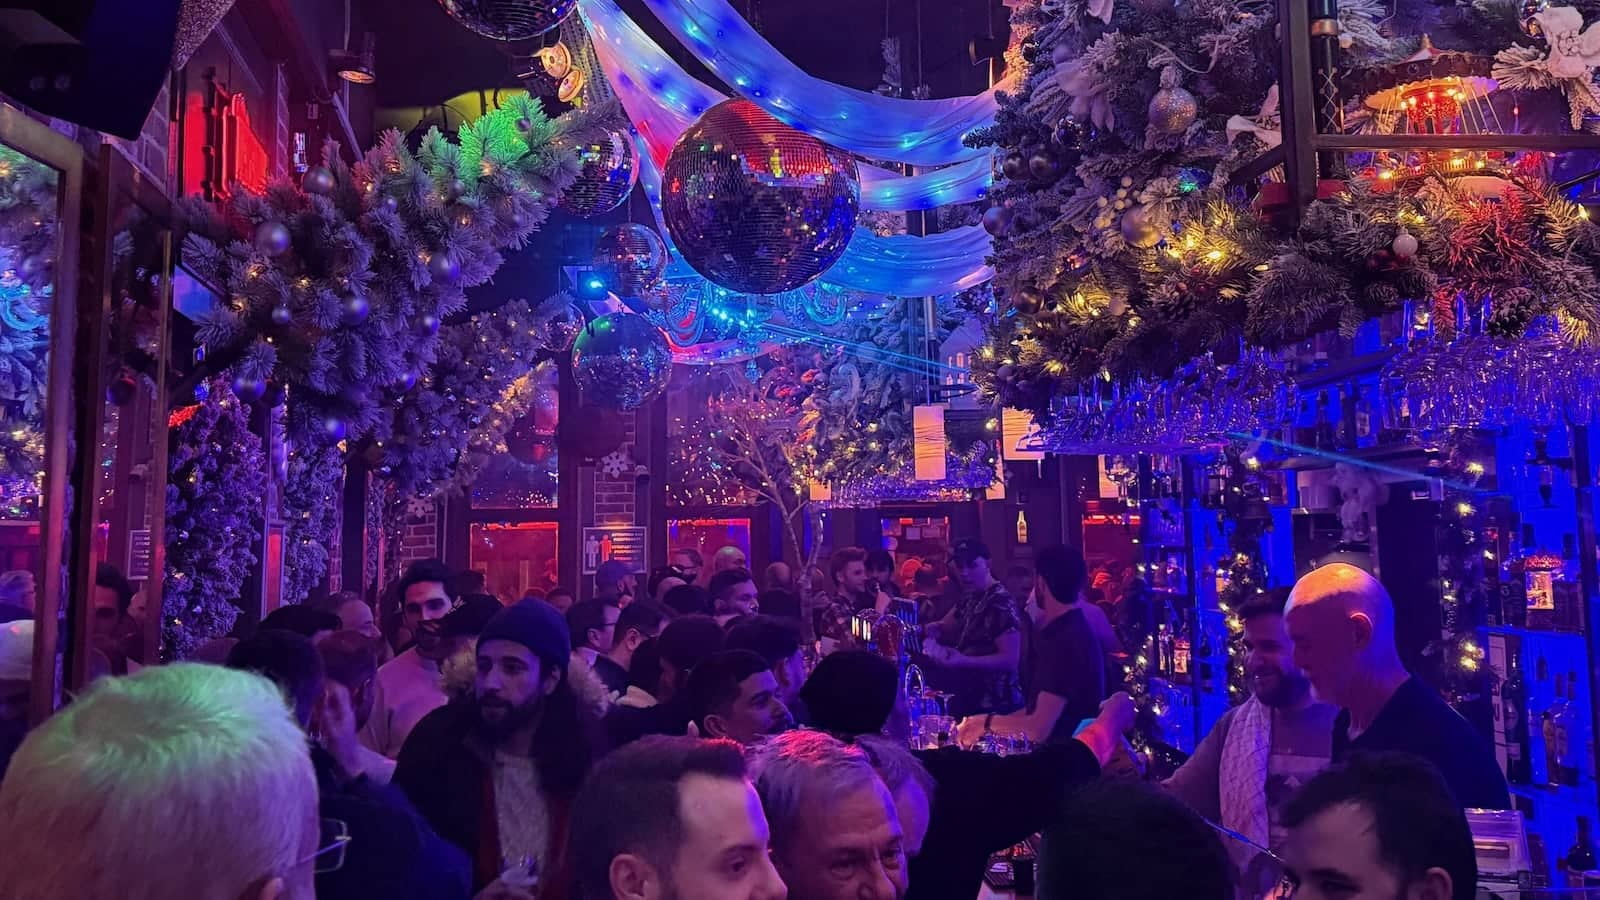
<point x="470" y="615"/>
<point x="967" y="550"/>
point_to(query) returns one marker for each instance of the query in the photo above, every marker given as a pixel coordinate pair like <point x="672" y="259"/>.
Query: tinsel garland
<point x="216" y="479"/>
<point x="1120" y="250"/>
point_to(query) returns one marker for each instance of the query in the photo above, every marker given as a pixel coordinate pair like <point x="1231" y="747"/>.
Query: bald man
<point x="1342" y="623"/>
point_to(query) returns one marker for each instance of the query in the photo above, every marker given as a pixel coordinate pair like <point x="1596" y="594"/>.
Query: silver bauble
<point x="318" y="180"/>
<point x="273" y="238"/>
<point x="1172" y="110"/>
<point x="621" y="361"/>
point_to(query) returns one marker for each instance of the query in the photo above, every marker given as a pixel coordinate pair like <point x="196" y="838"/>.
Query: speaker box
<point x="99" y="63"/>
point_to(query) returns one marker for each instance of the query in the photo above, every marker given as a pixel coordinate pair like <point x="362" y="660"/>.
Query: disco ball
<point x="509" y="20"/>
<point x="607" y="171"/>
<point x="755" y="205"/>
<point x="621" y="361"/>
<point x="630" y="258"/>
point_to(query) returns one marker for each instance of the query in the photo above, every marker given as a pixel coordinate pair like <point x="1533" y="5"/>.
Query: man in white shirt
<point x="408" y="686"/>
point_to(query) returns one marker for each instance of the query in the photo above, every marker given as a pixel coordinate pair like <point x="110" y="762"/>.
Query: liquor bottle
<point x="1323" y="438"/>
<point x="1566" y="591"/>
<point x="1514" y="713"/>
<point x="1552" y="767"/>
<point x="1580" y="858"/>
<point x="1571" y="737"/>
<point x="1513" y="591"/>
<point x="1366" y="430"/>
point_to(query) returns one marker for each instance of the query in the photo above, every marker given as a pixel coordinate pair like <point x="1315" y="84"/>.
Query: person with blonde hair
<point x="184" y="780"/>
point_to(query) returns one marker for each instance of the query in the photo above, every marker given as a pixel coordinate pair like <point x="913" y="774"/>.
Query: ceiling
<point x="425" y="57"/>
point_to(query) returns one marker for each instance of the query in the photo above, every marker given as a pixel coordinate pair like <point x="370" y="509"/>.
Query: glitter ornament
<point x="444" y="268"/>
<point x="630" y="258"/>
<point x="622" y="361"/>
<point x="560" y="327"/>
<point x="755" y="205"/>
<point x="1405" y="245"/>
<point x="272" y="238"/>
<point x="355" y="309"/>
<point x="997" y="220"/>
<point x="248" y="390"/>
<point x="509" y="20"/>
<point x="1139" y="228"/>
<point x="1172" y="110"/>
<point x="318" y="180"/>
<point x="607" y="171"/>
<point x="281" y="316"/>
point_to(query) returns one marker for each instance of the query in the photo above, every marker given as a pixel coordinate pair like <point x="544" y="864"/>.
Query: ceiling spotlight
<point x="556" y="59"/>
<point x="356" y="68"/>
<point x="571" y="87"/>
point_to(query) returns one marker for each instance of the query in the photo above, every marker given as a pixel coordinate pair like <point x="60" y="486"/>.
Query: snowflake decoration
<point x="418" y="507"/>
<point x="616" y="463"/>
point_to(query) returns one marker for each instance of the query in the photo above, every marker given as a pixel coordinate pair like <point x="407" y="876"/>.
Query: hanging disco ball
<point x="621" y="361"/>
<point x="509" y="20"/>
<point x="607" y="171"/>
<point x="756" y="206"/>
<point x="630" y="258"/>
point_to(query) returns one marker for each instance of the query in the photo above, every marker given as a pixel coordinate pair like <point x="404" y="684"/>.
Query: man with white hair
<point x="1341" y="621"/>
<point x="184" y="780"/>
<point x="835" y="832"/>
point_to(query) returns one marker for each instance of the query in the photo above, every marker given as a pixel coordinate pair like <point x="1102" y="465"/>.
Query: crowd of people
<point x="678" y="735"/>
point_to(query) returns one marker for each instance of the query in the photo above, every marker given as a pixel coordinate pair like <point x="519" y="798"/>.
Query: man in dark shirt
<point x="640" y="622"/>
<point x="1066" y="679"/>
<point x="978" y="646"/>
<point x="1342" y="623"/>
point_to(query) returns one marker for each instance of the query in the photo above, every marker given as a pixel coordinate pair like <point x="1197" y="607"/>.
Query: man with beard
<point x="1066" y="680"/>
<point x="1263" y="750"/>
<point x="496" y="773"/>
<point x="672" y="818"/>
<point x="409" y="686"/>
<point x="734" y="695"/>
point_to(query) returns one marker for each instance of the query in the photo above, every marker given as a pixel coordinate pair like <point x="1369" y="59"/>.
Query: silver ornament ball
<point x="444" y="268"/>
<point x="273" y="238"/>
<point x="1405" y="245"/>
<point x="281" y="316"/>
<point x="318" y="180"/>
<point x="1172" y="110"/>
<point x="1139" y="228"/>
<point x="621" y="361"/>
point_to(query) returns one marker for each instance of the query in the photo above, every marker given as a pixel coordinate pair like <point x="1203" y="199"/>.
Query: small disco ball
<point x="630" y="258"/>
<point x="756" y="206"/>
<point x="607" y="171"/>
<point x="621" y="361"/>
<point x="509" y="20"/>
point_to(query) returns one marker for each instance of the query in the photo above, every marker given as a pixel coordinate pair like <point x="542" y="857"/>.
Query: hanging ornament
<point x="1027" y="301"/>
<point x="1529" y="16"/>
<point x="1138" y="227"/>
<point x="1015" y="166"/>
<point x="281" y="316"/>
<point x="607" y="171"/>
<point x="559" y="327"/>
<point x="1405" y="245"/>
<point x="1173" y="109"/>
<point x="630" y="258"/>
<point x="755" y="205"/>
<point x="997" y="220"/>
<point x="355" y="309"/>
<point x="248" y="390"/>
<point x="1044" y="166"/>
<point x="406" y="383"/>
<point x="391" y="202"/>
<point x="334" y="428"/>
<point x="272" y="238"/>
<point x="622" y="361"/>
<point x="318" y="180"/>
<point x="454" y="189"/>
<point x="509" y="20"/>
<point x="444" y="268"/>
<point x="428" y="325"/>
<point x="1068" y="134"/>
<point x="121" y="390"/>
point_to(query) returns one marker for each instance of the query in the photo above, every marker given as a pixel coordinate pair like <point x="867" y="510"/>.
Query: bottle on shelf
<point x="1566" y="589"/>
<point x="1571" y="736"/>
<point x="1323" y="436"/>
<point x="1580" y="859"/>
<point x="1365" y="418"/>
<point x="1552" y="735"/>
<point x="1514" y="716"/>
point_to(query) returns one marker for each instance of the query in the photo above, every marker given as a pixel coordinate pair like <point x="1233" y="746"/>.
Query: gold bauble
<point x="1139" y="229"/>
<point x="1172" y="110"/>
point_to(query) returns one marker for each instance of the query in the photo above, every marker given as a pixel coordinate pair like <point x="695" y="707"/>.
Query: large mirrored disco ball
<point x="756" y="206"/>
<point x="607" y="171"/>
<point x="621" y="361"/>
<point x="630" y="258"/>
<point x="509" y="20"/>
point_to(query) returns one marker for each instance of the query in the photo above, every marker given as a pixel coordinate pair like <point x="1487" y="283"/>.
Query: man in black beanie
<point x="521" y="742"/>
<point x="855" y="692"/>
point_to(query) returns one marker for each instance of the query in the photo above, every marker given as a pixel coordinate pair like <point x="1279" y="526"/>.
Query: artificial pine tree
<point x="337" y="289"/>
<point x="216" y="476"/>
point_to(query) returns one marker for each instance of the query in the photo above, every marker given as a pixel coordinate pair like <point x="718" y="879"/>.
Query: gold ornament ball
<point x="1139" y="228"/>
<point x="1172" y="110"/>
<point x="1531" y="8"/>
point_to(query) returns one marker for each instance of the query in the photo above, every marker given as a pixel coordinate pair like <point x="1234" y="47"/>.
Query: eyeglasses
<point x="335" y="837"/>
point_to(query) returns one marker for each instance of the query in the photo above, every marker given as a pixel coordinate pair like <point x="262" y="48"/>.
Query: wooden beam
<point x="1365" y="142"/>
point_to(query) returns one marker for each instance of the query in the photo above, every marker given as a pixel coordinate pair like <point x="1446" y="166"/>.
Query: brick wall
<point x="419" y="538"/>
<point x="152" y="151"/>
<point x="615" y="500"/>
